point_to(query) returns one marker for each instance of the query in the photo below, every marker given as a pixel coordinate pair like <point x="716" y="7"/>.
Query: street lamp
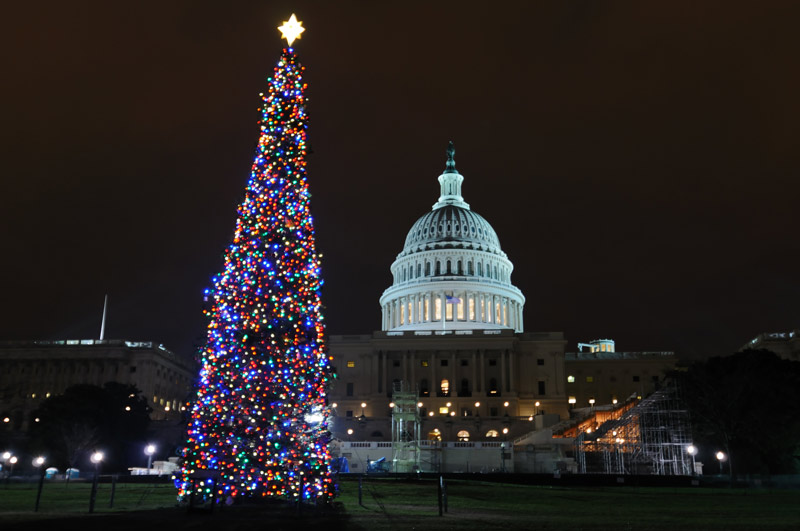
<point x="692" y="450"/>
<point x="12" y="460"/>
<point x="536" y="407"/>
<point x="150" y="449"/>
<point x="720" y="457"/>
<point x="38" y="462"/>
<point x="96" y="458"/>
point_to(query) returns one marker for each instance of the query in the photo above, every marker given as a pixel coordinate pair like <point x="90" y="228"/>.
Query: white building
<point x="452" y="332"/>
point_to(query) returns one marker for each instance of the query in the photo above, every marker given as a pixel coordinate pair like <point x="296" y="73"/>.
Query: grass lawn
<point x="392" y="504"/>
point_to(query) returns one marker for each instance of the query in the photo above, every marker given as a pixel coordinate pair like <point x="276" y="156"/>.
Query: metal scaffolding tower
<point x="650" y="438"/>
<point x="406" y="428"/>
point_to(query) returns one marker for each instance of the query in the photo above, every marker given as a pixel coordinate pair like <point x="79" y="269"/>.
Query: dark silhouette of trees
<point x="113" y="418"/>
<point x="746" y="405"/>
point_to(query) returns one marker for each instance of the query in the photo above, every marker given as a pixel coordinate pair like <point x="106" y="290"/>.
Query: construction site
<point x="650" y="436"/>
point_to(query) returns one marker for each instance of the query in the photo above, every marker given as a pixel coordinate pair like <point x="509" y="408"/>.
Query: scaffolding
<point x="651" y="437"/>
<point x="406" y="428"/>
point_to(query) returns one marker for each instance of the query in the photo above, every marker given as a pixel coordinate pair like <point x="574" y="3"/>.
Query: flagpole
<point x="103" y="324"/>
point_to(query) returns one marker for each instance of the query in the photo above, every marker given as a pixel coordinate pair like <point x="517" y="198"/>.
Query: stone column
<point x="408" y="368"/>
<point x="385" y="376"/>
<point x="453" y="381"/>
<point x="474" y="373"/>
<point x="503" y="371"/>
<point x="482" y="380"/>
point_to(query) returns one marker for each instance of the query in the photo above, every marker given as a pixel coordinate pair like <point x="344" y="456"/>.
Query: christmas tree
<point x="259" y="423"/>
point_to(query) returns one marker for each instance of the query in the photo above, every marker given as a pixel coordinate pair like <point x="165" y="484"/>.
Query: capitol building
<point x="452" y="337"/>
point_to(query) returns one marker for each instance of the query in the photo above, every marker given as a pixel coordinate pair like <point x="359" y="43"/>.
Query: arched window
<point x="419" y="270"/>
<point x="459" y="271"/>
<point x="438" y="268"/>
<point x="423" y="387"/>
<point x="493" y="386"/>
<point x="480" y="269"/>
<point x="463" y="435"/>
<point x="445" y="386"/>
<point x="435" y="435"/>
<point x="449" y="271"/>
<point x="469" y="268"/>
<point x="491" y="434"/>
<point x="427" y="269"/>
<point x="464" y="390"/>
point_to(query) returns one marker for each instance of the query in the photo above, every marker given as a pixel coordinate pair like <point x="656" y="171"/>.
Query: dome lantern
<point x="450" y="183"/>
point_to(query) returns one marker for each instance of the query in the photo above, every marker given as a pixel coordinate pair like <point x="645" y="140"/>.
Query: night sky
<point x="639" y="161"/>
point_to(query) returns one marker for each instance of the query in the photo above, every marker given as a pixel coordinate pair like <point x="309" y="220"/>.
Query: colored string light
<point x="260" y="418"/>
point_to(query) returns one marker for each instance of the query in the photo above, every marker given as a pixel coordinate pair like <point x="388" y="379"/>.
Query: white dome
<point x="452" y="273"/>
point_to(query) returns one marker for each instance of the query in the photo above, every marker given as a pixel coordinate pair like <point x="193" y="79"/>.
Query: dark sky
<point x="639" y="161"/>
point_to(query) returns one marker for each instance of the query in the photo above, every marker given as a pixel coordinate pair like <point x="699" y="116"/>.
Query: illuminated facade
<point x="452" y="330"/>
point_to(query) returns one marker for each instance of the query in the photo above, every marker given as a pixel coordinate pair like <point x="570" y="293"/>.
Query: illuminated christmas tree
<point x="259" y="423"/>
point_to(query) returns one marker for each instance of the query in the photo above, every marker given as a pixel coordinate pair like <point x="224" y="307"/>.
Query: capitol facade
<point x="452" y="337"/>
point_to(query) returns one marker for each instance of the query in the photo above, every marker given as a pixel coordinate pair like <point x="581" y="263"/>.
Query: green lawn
<point x="59" y="498"/>
<point x="390" y="504"/>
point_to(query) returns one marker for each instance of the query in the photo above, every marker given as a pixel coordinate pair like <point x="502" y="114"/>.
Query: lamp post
<point x="149" y="450"/>
<point x="692" y="450"/>
<point x="720" y="457"/>
<point x="12" y="461"/>
<point x="536" y="407"/>
<point x="39" y="463"/>
<point x="97" y="458"/>
<point x="6" y="457"/>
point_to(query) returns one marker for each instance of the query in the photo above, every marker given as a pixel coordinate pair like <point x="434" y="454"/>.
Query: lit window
<point x="444" y="410"/>
<point x="471" y="306"/>
<point x="570" y="379"/>
<point x="435" y="435"/>
<point x="424" y="363"/>
<point x="589" y="379"/>
<point x="351" y="364"/>
<point x="463" y="435"/>
<point x="572" y="400"/>
<point x="492" y="434"/>
<point x="445" y="385"/>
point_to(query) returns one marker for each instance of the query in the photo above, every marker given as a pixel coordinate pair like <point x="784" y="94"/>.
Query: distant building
<point x="784" y="344"/>
<point x="595" y="378"/>
<point x="31" y="371"/>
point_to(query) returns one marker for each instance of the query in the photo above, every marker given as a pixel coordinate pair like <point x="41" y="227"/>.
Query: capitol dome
<point x="452" y="273"/>
<point x="451" y="227"/>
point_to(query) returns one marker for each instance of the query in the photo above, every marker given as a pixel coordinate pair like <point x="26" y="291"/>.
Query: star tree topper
<point x="291" y="29"/>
